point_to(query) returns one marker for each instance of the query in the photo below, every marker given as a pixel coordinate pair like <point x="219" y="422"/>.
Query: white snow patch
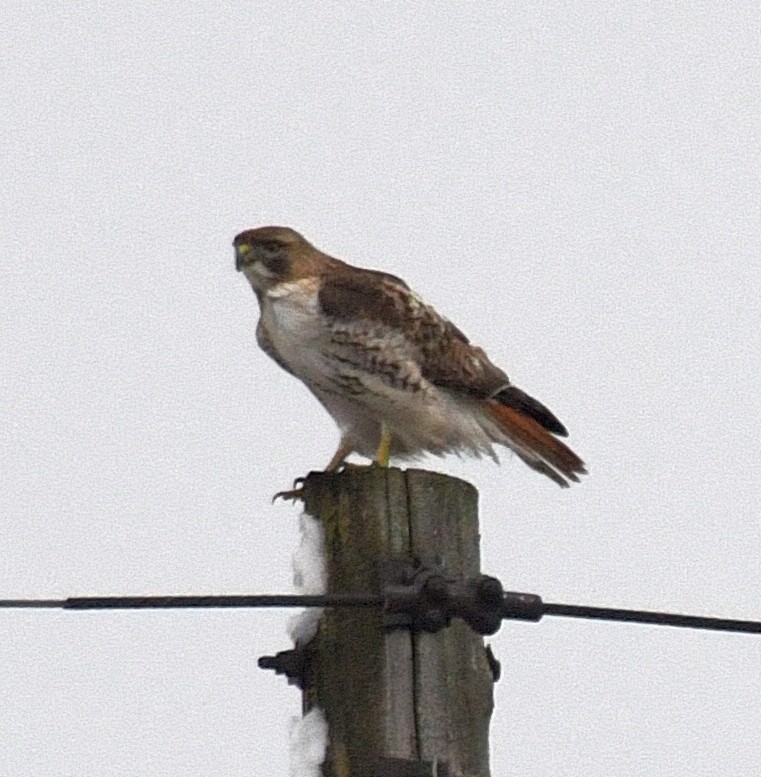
<point x="308" y="741"/>
<point x="309" y="577"/>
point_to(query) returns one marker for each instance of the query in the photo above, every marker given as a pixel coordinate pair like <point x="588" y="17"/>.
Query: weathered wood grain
<point x="392" y="694"/>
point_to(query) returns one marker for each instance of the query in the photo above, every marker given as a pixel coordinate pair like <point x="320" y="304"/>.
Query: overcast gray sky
<point x="576" y="185"/>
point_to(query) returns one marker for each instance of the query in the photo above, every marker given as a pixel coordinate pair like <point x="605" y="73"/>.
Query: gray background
<point x="574" y="184"/>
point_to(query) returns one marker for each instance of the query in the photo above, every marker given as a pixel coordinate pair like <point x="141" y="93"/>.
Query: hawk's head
<point x="270" y="255"/>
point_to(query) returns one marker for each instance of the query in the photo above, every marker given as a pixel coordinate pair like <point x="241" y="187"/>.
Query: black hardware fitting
<point x="420" y="597"/>
<point x="295" y="664"/>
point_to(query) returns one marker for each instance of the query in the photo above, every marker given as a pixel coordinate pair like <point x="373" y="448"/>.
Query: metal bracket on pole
<point x="295" y="664"/>
<point x="421" y="597"/>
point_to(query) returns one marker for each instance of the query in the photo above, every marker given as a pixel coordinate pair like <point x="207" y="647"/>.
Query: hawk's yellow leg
<point x="344" y="449"/>
<point x="383" y="454"/>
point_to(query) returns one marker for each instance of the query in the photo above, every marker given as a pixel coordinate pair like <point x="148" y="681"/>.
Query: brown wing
<point x="443" y="353"/>
<point x="445" y="356"/>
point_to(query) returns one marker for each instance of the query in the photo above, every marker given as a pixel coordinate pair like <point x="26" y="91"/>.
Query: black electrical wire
<point x="515" y="606"/>
<point x="186" y="602"/>
<point x="654" y="618"/>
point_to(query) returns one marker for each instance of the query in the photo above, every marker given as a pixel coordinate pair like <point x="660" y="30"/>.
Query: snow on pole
<point x="308" y="578"/>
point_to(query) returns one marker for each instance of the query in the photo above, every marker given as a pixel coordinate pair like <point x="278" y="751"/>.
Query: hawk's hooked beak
<point x="241" y="251"/>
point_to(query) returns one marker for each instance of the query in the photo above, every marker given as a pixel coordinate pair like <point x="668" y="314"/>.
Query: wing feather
<point x="443" y="353"/>
<point x="437" y="350"/>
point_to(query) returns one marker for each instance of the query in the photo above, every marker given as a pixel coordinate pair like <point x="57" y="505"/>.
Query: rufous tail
<point x="535" y="445"/>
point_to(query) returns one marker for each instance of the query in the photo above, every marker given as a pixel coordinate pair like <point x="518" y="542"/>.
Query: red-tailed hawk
<point x="399" y="379"/>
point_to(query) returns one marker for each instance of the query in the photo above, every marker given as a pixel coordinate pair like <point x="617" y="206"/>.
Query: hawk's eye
<point x="271" y="247"/>
<point x="272" y="256"/>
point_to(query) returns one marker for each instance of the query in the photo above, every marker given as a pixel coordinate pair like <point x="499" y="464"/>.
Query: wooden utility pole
<point x="399" y="695"/>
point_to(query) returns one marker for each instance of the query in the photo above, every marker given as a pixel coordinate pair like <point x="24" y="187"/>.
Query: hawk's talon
<point x="294" y="494"/>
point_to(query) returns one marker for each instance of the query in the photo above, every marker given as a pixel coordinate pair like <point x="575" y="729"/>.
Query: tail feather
<point x="535" y="445"/>
<point x="513" y="397"/>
